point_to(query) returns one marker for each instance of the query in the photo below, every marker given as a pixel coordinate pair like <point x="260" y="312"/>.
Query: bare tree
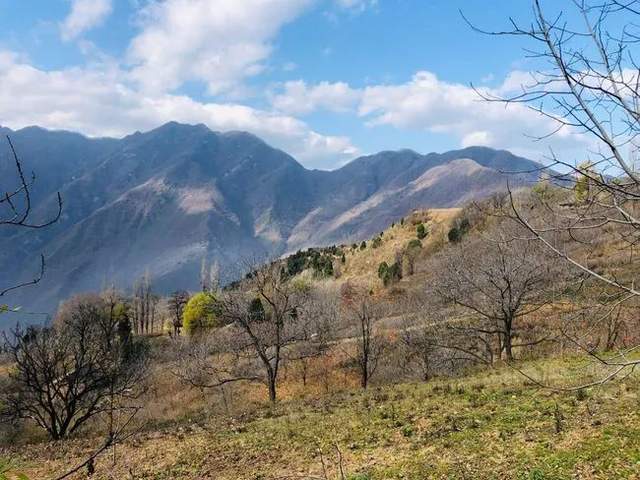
<point x="590" y="85"/>
<point x="499" y="283"/>
<point x="324" y="310"/>
<point x="144" y="305"/>
<point x="16" y="209"/>
<point x="214" y="277"/>
<point x="209" y="277"/>
<point x="268" y="315"/>
<point x="209" y="363"/>
<point x="370" y="342"/>
<point x="67" y="374"/>
<point x="421" y="346"/>
<point x="176" y="303"/>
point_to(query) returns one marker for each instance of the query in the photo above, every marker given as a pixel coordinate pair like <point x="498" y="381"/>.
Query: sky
<point x="324" y="80"/>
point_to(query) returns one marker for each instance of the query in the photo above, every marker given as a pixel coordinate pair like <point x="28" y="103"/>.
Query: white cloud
<point x="478" y="138"/>
<point x="222" y="43"/>
<point x="101" y="101"/>
<point x="84" y="15"/>
<point x="297" y="98"/>
<point x="426" y="103"/>
<point x="218" y="42"/>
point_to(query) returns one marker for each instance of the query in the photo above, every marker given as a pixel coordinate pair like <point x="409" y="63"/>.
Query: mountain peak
<point x="177" y="127"/>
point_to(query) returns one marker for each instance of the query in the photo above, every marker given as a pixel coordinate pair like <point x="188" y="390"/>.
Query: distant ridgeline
<point x="163" y="201"/>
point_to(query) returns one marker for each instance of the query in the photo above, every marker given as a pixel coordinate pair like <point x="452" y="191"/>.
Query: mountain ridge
<point x="164" y="200"/>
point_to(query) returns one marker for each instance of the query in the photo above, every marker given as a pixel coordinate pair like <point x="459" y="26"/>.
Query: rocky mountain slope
<point x="163" y="200"/>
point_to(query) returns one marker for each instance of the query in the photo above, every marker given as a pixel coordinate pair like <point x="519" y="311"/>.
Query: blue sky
<point x="325" y="80"/>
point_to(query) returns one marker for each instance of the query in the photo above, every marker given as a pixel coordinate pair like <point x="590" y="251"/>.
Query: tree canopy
<point x="200" y="313"/>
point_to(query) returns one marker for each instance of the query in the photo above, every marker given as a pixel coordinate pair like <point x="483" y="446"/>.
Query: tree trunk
<point x="507" y="347"/>
<point x="304" y="373"/>
<point x="364" y="380"/>
<point x="272" y="390"/>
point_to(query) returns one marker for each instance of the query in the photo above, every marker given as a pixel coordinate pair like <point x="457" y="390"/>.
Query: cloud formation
<point x="426" y="103"/>
<point x="218" y="42"/>
<point x="297" y="98"/>
<point x="102" y="101"/>
<point x="84" y="15"/>
<point x="221" y="44"/>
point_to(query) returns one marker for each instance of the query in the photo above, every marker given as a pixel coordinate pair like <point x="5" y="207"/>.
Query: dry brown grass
<point x="361" y="266"/>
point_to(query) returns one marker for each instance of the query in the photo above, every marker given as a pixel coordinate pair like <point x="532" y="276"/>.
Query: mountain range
<point x="164" y="200"/>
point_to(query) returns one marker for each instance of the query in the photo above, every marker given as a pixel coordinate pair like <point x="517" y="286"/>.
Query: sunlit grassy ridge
<point x="362" y="265"/>
<point x="492" y="425"/>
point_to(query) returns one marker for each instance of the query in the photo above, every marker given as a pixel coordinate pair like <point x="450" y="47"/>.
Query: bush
<point x="414" y="244"/>
<point x="359" y="476"/>
<point x="377" y="241"/>
<point x="389" y="274"/>
<point x="454" y="235"/>
<point x="363" y="245"/>
<point x="395" y="272"/>
<point x="421" y="231"/>
<point x="296" y="263"/>
<point x="461" y="227"/>
<point x="322" y="265"/>
<point x="200" y="313"/>
<point x="256" y="311"/>
<point x="382" y="269"/>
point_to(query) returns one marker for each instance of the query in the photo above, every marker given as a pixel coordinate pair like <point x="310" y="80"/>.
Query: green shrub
<point x="382" y="269"/>
<point x="256" y="311"/>
<point x="200" y="313"/>
<point x="389" y="273"/>
<point x="296" y="263"/>
<point x="421" y="231"/>
<point x="376" y="242"/>
<point x="460" y="228"/>
<point x="454" y="235"/>
<point x="414" y="244"/>
<point x="322" y="265"/>
<point x="363" y="245"/>
<point x="583" y="182"/>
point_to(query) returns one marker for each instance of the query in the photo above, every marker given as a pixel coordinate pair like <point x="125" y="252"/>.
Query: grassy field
<point x="492" y="425"/>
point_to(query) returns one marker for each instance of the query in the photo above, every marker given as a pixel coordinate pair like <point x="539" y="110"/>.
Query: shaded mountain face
<point x="162" y="201"/>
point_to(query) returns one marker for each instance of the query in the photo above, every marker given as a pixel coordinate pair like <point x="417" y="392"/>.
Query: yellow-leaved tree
<point x="200" y="313"/>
